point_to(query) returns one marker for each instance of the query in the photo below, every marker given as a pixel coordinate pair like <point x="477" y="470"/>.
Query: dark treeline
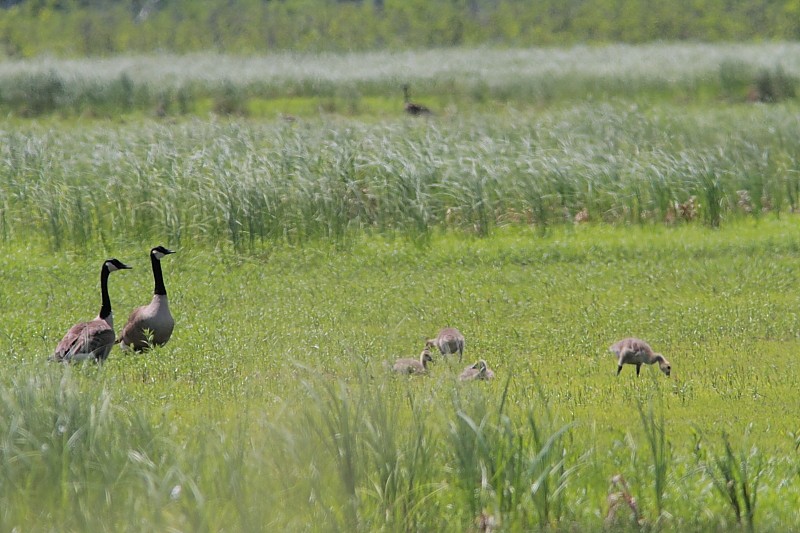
<point x="103" y="27"/>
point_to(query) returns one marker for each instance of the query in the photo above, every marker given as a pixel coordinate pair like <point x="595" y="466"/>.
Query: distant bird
<point x="637" y="352"/>
<point x="478" y="371"/>
<point x="93" y="339"/>
<point x="153" y="318"/>
<point x="411" y="108"/>
<point x="448" y="341"/>
<point x="414" y="366"/>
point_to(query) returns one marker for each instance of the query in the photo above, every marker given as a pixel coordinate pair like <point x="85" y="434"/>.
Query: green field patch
<point x="273" y="399"/>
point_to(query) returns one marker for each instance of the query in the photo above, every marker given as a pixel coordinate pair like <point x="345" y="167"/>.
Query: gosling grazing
<point x="478" y="371"/>
<point x="151" y="319"/>
<point x="411" y="108"/>
<point x="448" y="341"/>
<point x="93" y="339"/>
<point x="637" y="352"/>
<point x="414" y="366"/>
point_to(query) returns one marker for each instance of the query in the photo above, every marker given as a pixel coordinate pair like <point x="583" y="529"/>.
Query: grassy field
<point x="271" y="406"/>
<point x="311" y="253"/>
<point x="368" y="85"/>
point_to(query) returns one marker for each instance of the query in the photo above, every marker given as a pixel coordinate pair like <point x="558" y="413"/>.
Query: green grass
<point x="366" y="84"/>
<point x="271" y="408"/>
<point x="254" y="185"/>
<point x="311" y="252"/>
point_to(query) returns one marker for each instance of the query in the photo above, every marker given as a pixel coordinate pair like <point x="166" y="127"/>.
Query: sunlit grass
<point x="255" y="185"/>
<point x="448" y="80"/>
<point x="271" y="406"/>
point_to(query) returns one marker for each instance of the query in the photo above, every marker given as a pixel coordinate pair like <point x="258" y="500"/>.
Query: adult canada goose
<point x="93" y="339"/>
<point x="637" y="352"/>
<point x="153" y="318"/>
<point x="411" y="108"/>
<point x="448" y="341"/>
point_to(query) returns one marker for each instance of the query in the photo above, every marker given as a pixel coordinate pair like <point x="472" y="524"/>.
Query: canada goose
<point x="635" y="351"/>
<point x="154" y="316"/>
<point x="414" y="366"/>
<point x="93" y="339"/>
<point x="449" y="341"/>
<point x="411" y="108"/>
<point x="479" y="371"/>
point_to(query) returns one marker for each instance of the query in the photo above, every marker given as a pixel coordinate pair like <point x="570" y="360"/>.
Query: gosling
<point x="414" y="366"/>
<point x="635" y="351"/>
<point x="448" y="341"/>
<point x="478" y="371"/>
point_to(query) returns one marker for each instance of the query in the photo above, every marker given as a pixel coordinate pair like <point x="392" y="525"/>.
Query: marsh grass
<point x="656" y="436"/>
<point x="369" y="83"/>
<point x="256" y="185"/>
<point x="736" y="476"/>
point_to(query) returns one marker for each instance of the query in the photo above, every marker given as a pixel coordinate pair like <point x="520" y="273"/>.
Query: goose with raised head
<point x="448" y="341"/>
<point x="633" y="351"/>
<point x="92" y="339"/>
<point x="151" y="324"/>
<point x="414" y="366"/>
<point x="410" y="107"/>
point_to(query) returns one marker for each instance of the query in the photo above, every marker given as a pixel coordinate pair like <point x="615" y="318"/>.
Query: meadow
<point x="311" y="252"/>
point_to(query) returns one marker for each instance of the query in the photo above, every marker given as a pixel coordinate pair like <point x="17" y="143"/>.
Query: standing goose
<point x="153" y="318"/>
<point x="448" y="341"/>
<point x="633" y="351"/>
<point x="93" y="339"/>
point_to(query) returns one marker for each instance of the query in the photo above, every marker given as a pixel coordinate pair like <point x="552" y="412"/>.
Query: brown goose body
<point x="633" y="351"/>
<point x="411" y="108"/>
<point x="95" y="338"/>
<point x="478" y="371"/>
<point x="448" y="341"/>
<point x="151" y="324"/>
<point x="414" y="366"/>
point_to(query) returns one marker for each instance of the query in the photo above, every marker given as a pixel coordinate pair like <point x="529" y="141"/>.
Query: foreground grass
<point x="271" y="408"/>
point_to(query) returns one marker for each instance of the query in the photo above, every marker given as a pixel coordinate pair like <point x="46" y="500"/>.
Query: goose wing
<point x="132" y="327"/>
<point x="85" y="340"/>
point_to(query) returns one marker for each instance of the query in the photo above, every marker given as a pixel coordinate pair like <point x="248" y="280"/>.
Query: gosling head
<point x="663" y="364"/>
<point x="426" y="357"/>
<point x="480" y="366"/>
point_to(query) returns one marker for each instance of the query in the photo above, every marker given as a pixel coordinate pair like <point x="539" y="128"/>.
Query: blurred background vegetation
<point x="69" y="28"/>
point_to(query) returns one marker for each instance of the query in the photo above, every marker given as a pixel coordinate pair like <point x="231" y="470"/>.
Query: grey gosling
<point x="448" y="341"/>
<point x="92" y="339"/>
<point x="478" y="371"/>
<point x="154" y="317"/>
<point x="633" y="351"/>
<point x="414" y="366"/>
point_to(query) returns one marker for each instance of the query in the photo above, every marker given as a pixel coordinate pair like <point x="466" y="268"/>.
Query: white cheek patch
<point x="111" y="266"/>
<point x="158" y="254"/>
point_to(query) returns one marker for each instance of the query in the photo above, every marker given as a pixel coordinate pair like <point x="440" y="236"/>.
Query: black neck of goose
<point x="105" y="308"/>
<point x="158" y="276"/>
